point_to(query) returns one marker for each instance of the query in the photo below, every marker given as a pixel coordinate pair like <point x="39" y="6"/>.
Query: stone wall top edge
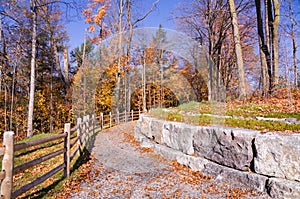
<point x="250" y="131"/>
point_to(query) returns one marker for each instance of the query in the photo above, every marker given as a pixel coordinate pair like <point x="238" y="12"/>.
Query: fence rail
<point x="84" y="129"/>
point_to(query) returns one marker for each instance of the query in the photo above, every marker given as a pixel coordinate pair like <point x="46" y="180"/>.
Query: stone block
<point x="178" y="136"/>
<point x="145" y="123"/>
<point x="166" y="152"/>
<point x="229" y="147"/>
<point x="236" y="178"/>
<point x="195" y="163"/>
<point x="278" y="156"/>
<point x="156" y="130"/>
<point x="280" y="188"/>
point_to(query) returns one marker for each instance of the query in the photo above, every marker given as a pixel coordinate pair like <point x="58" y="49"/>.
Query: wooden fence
<point x="81" y="134"/>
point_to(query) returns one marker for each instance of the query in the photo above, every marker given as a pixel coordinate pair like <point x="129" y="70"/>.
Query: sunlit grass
<point x="192" y="113"/>
<point x="53" y="184"/>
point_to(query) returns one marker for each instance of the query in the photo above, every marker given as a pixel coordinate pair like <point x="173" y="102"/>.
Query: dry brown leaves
<point x="73" y="184"/>
<point x="282" y="100"/>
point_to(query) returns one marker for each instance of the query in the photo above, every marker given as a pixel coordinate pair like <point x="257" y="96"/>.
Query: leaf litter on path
<point x="122" y="169"/>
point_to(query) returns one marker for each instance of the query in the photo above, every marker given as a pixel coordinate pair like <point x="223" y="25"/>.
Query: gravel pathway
<point x="124" y="170"/>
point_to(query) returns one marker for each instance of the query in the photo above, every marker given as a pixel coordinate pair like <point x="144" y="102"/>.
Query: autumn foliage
<point x="94" y="15"/>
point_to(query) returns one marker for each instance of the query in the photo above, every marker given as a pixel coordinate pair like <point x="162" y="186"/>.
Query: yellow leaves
<point x="101" y="13"/>
<point x="98" y="1"/>
<point x="87" y="12"/>
<point x="94" y="15"/>
<point x="92" y="28"/>
<point x="88" y="20"/>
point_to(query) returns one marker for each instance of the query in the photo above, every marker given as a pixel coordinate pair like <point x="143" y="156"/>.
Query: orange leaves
<point x="101" y="13"/>
<point x="94" y="15"/>
<point x="99" y="1"/>
<point x="87" y="12"/>
<point x="92" y="28"/>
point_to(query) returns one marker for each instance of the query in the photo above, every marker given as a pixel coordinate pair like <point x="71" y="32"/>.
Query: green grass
<point x="248" y="111"/>
<point x="262" y="125"/>
<point x="283" y="115"/>
<point x="36" y="137"/>
<point x="55" y="184"/>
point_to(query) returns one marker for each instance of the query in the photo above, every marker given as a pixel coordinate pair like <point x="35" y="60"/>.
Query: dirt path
<point x="123" y="170"/>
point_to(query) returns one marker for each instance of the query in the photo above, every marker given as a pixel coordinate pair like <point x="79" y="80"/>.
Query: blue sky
<point x="161" y="15"/>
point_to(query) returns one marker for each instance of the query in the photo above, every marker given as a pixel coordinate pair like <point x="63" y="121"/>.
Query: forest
<point x="253" y="46"/>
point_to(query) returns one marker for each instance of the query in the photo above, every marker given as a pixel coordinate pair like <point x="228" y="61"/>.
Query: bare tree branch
<point x="146" y="14"/>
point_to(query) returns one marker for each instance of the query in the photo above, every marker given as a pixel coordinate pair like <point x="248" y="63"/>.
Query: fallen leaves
<point x="171" y="181"/>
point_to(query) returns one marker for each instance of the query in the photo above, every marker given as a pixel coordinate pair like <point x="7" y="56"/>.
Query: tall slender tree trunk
<point x="5" y="107"/>
<point x="275" y="42"/>
<point x="127" y="74"/>
<point x="238" y="49"/>
<point x="144" y="82"/>
<point x="12" y="99"/>
<point x="119" y="56"/>
<point x="84" y="76"/>
<point x="51" y="101"/>
<point x="32" y="70"/>
<point x="292" y="21"/>
<point x="66" y="65"/>
<point x="268" y="43"/>
<point x="4" y="61"/>
<point x="263" y="50"/>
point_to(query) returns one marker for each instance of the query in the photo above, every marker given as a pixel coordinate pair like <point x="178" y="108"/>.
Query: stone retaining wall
<point x="264" y="162"/>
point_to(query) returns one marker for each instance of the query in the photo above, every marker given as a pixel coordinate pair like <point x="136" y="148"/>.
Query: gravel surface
<point x="122" y="169"/>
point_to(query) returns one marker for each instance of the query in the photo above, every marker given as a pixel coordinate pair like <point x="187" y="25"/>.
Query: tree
<point x="275" y="42"/>
<point x="33" y="10"/>
<point x="238" y="49"/>
<point x="264" y="51"/>
<point x="132" y="23"/>
<point x="17" y="31"/>
<point x="293" y="23"/>
<point x="209" y="23"/>
<point x="268" y="42"/>
<point x="77" y="55"/>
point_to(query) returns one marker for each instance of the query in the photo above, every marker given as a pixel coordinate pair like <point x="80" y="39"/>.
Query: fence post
<point x="79" y="133"/>
<point x="109" y="119"/>
<point x="118" y="118"/>
<point x="125" y="116"/>
<point x="102" y="121"/>
<point x="67" y="152"/>
<point x="87" y="128"/>
<point x="93" y="123"/>
<point x="131" y="115"/>
<point x="83" y="131"/>
<point x="8" y="164"/>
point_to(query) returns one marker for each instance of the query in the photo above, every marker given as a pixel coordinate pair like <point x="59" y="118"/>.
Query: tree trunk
<point x="269" y="39"/>
<point x="144" y="83"/>
<point x="119" y="57"/>
<point x="292" y="21"/>
<point x="32" y="70"/>
<point x="12" y="98"/>
<point x="66" y="65"/>
<point x="263" y="50"/>
<point x="127" y="75"/>
<point x="275" y="77"/>
<point x="238" y="49"/>
<point x="5" y="107"/>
